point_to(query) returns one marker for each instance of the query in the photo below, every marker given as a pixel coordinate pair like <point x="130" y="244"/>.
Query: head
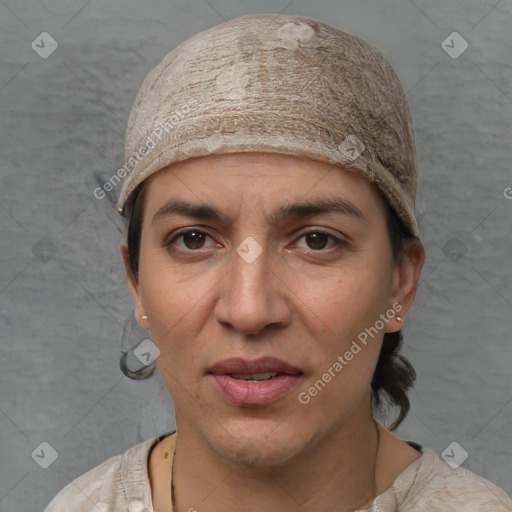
<point x="305" y="299"/>
<point x="244" y="246"/>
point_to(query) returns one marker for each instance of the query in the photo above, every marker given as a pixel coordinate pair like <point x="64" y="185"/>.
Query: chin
<point x="258" y="442"/>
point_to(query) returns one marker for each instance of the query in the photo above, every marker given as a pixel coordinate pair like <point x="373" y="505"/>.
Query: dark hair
<point x="394" y="375"/>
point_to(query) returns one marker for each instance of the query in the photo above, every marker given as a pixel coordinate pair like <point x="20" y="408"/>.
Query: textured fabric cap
<point x="276" y="83"/>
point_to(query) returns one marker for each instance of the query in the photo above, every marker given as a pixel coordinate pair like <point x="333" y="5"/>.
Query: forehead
<point x="258" y="180"/>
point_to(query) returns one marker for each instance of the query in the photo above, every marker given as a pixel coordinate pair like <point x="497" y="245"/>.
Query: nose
<point x="253" y="295"/>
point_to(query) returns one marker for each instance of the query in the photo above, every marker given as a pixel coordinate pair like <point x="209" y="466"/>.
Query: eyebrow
<point x="292" y="211"/>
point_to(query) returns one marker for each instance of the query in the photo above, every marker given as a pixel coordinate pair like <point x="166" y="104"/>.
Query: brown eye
<point x="194" y="239"/>
<point x="191" y="240"/>
<point x="319" y="240"/>
<point x="316" y="240"/>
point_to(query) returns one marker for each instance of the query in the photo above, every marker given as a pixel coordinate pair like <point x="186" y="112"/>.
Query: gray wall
<point x="63" y="299"/>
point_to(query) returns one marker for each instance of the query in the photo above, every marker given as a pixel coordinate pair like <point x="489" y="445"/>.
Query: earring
<point x="399" y="318"/>
<point x="143" y="317"/>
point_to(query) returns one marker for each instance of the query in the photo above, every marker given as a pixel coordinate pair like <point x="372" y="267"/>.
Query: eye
<point x="193" y="239"/>
<point x="317" y="240"/>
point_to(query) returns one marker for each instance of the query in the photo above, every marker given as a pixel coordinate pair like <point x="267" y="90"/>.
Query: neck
<point x="338" y="473"/>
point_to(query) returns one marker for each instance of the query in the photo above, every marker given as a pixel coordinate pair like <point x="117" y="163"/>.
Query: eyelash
<point x="339" y="244"/>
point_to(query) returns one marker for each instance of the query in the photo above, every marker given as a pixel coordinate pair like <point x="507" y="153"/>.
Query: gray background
<point x="64" y="304"/>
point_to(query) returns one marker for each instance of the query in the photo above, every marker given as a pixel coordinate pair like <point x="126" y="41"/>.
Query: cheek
<point x="350" y="299"/>
<point x="174" y="305"/>
<point x="349" y="303"/>
<point x="345" y="358"/>
<point x="175" y="299"/>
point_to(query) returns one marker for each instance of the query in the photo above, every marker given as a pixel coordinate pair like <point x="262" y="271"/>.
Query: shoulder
<point x="83" y="493"/>
<point x="110" y="486"/>
<point x="430" y="483"/>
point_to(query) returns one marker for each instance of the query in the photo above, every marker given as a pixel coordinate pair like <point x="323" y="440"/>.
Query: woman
<point x="273" y="253"/>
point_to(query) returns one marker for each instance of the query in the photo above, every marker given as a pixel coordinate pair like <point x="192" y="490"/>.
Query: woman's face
<point x="252" y="275"/>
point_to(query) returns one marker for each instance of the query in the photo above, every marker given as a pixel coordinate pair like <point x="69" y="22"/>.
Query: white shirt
<point x="121" y="484"/>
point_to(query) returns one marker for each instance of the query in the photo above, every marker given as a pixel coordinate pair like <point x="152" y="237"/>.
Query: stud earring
<point x="143" y="317"/>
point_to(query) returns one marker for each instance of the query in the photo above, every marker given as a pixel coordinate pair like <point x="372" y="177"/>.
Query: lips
<point x="250" y="383"/>
<point x="239" y="366"/>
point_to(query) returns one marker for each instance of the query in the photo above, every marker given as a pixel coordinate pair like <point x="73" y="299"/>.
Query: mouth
<point x="255" y="377"/>
<point x="254" y="383"/>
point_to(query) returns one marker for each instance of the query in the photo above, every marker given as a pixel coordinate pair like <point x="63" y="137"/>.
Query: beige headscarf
<point x="280" y="84"/>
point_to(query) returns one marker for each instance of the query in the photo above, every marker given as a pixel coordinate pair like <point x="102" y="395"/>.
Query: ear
<point x="405" y="280"/>
<point x="133" y="286"/>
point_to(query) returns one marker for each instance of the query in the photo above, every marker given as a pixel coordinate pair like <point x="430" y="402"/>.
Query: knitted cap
<point x="276" y="84"/>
